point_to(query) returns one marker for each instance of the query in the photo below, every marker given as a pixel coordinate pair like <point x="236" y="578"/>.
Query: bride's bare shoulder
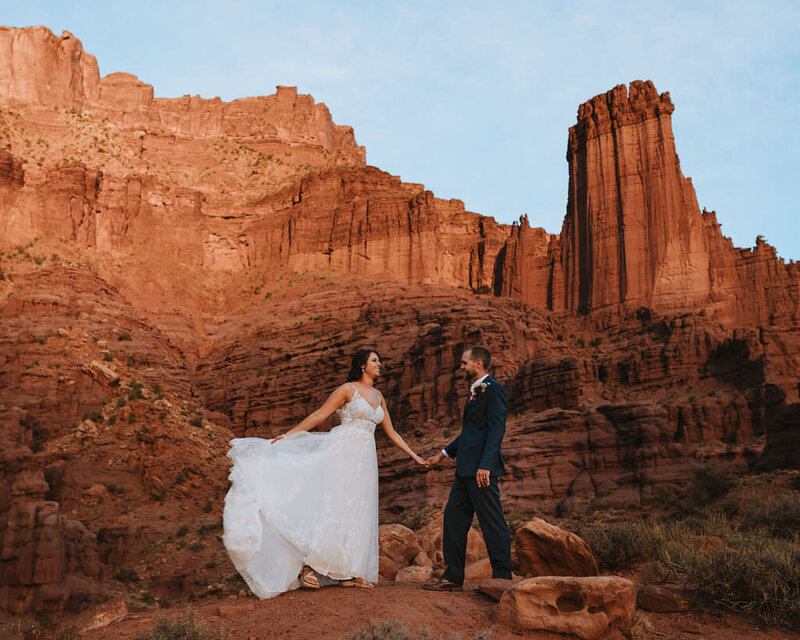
<point x="345" y="391"/>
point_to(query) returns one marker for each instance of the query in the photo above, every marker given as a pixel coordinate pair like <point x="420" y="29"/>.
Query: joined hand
<point x="434" y="460"/>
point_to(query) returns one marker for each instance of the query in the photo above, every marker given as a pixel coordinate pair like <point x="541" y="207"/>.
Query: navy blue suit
<point x="478" y="446"/>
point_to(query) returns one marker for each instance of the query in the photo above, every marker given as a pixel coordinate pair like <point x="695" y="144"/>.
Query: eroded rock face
<point x="585" y="607"/>
<point x="48" y="560"/>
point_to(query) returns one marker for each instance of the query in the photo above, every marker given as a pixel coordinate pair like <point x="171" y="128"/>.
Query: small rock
<point x="101" y="372"/>
<point x="422" y="560"/>
<point x="414" y="574"/>
<point x="652" y="597"/>
<point x="96" y="490"/>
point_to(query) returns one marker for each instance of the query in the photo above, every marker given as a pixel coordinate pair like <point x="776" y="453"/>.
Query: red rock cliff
<point x="633" y="235"/>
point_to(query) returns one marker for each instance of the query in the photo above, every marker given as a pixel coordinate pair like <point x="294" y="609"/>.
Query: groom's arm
<point x="452" y="449"/>
<point x="496" y="424"/>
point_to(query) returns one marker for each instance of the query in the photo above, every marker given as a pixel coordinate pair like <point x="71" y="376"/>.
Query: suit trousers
<point x="467" y="499"/>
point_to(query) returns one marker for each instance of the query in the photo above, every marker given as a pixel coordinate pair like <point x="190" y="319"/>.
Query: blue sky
<point x="474" y="99"/>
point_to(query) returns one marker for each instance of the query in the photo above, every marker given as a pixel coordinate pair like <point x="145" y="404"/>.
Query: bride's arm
<point x="334" y="401"/>
<point x="395" y="437"/>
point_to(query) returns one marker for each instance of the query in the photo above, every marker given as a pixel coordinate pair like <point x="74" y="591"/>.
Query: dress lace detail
<point x="311" y="498"/>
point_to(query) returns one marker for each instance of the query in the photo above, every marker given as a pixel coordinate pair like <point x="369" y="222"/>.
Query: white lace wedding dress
<point x="311" y="498"/>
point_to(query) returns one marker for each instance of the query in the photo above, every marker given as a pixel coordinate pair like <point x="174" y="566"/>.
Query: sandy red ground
<point x="337" y="613"/>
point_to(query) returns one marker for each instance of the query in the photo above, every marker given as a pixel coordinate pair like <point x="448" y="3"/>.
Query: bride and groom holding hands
<point x="305" y="504"/>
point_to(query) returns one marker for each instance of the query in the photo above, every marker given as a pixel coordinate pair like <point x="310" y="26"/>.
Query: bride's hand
<point x="280" y="436"/>
<point x="420" y="461"/>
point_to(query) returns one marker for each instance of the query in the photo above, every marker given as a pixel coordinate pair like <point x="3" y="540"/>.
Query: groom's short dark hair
<point x="481" y="353"/>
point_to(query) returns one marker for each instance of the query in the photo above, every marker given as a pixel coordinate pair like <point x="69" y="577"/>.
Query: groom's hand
<point x="434" y="461"/>
<point x="482" y="477"/>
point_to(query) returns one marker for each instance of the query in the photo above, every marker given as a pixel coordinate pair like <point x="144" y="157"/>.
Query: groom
<point x="479" y="462"/>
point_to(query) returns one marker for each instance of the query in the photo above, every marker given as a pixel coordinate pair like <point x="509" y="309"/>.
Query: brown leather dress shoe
<point x="441" y="585"/>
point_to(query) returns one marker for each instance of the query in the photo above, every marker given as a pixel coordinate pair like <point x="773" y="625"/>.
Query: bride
<point x="308" y="502"/>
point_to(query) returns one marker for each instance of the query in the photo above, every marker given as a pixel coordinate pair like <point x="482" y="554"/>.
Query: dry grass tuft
<point x="187" y="627"/>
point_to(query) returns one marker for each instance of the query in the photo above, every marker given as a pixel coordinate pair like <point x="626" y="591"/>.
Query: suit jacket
<point x="478" y="444"/>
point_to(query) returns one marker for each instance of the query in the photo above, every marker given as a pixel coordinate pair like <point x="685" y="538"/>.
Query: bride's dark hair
<point x="360" y="358"/>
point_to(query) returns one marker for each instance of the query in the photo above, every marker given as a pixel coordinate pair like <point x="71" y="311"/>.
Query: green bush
<point x="711" y="483"/>
<point x="182" y="531"/>
<point x="94" y="415"/>
<point x="135" y="390"/>
<point x="754" y="574"/>
<point x="107" y="357"/>
<point x="126" y="575"/>
<point x="187" y="627"/>
<point x="751" y="572"/>
<point x="615" y="545"/>
<point x="125" y="336"/>
<point x="775" y="517"/>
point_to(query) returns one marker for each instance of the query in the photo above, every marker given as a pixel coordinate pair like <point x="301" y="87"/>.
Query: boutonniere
<point x="477" y="391"/>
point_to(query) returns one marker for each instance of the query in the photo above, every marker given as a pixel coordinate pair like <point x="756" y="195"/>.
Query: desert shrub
<point x="197" y="420"/>
<point x="126" y="575"/>
<point x="391" y="630"/>
<point x="711" y="483"/>
<point x="752" y="574"/>
<point x="94" y="415"/>
<point x="615" y="545"/>
<point x="187" y="627"/>
<point x="135" y="390"/>
<point x="776" y="516"/>
<point x="414" y="518"/>
<point x="515" y="518"/>
<point x="107" y="357"/>
<point x="115" y="489"/>
<point x="182" y="531"/>
<point x="125" y="336"/>
<point x="52" y="631"/>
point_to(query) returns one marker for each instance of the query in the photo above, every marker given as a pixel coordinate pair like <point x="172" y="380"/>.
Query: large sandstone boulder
<point x="430" y="538"/>
<point x="583" y="606"/>
<point x="398" y="543"/>
<point x="546" y="550"/>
